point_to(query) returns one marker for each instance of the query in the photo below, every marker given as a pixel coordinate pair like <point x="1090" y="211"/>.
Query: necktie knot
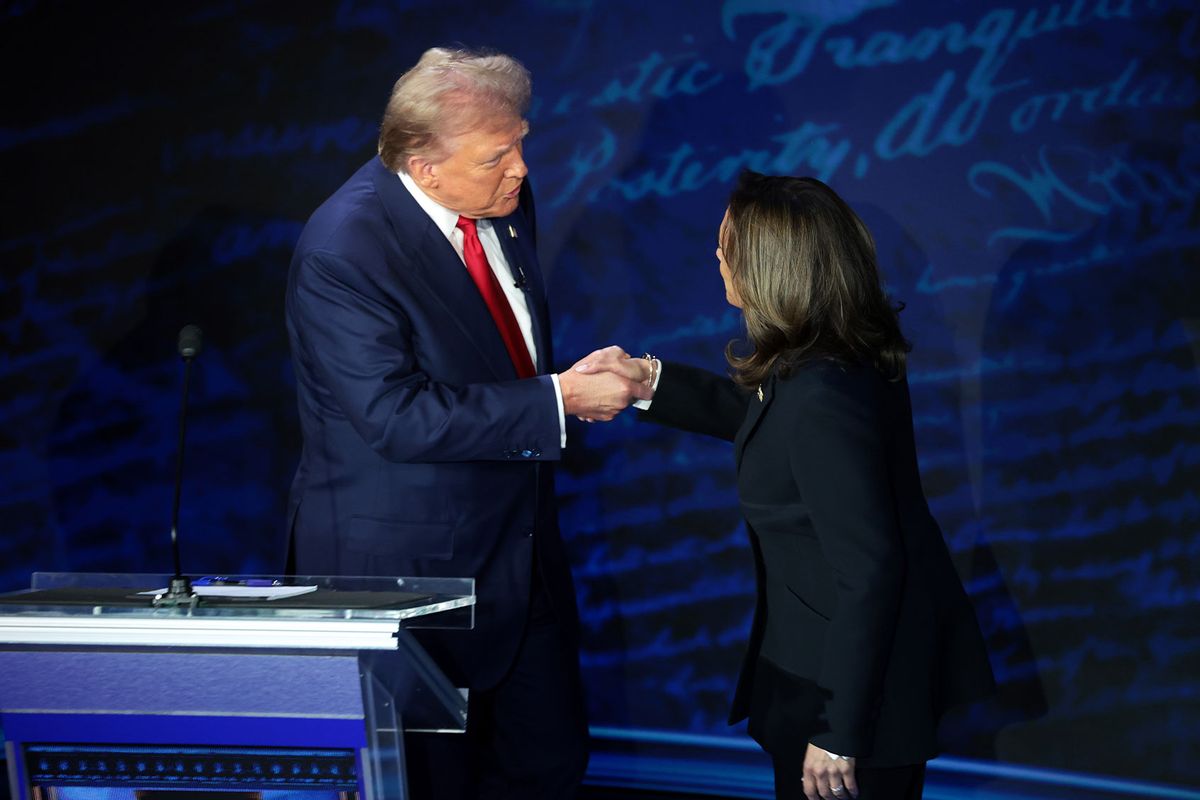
<point x="466" y="225"/>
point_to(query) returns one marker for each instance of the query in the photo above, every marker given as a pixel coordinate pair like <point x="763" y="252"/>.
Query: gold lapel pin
<point x="512" y="232"/>
<point x="760" y="394"/>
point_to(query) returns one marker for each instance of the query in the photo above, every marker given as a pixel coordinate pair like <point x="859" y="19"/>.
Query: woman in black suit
<point x="863" y="634"/>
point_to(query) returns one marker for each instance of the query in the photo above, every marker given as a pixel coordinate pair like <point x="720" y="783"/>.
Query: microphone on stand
<point x="190" y="343"/>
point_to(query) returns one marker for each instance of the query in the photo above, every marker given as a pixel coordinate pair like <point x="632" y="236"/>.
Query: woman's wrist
<point x="655" y="366"/>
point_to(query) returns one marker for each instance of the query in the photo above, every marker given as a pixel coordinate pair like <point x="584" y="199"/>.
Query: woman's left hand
<point x="828" y="777"/>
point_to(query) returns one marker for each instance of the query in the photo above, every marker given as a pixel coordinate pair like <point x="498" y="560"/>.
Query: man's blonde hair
<point x="449" y="92"/>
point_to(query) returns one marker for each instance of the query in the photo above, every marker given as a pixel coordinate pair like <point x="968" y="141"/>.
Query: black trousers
<point x="874" y="783"/>
<point x="526" y="738"/>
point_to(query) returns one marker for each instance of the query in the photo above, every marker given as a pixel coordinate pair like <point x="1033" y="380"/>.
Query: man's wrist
<point x="562" y="411"/>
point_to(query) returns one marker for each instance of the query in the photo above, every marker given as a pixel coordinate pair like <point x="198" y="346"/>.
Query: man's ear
<point x="423" y="172"/>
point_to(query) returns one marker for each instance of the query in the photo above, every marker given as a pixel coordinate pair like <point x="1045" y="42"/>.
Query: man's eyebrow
<point x="494" y="154"/>
<point x="502" y="150"/>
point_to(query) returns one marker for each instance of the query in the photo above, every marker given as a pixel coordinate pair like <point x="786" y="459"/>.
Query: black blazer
<point x="863" y="634"/>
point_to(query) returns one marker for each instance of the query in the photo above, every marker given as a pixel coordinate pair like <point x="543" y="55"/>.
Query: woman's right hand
<point x="635" y="375"/>
<point x="614" y="359"/>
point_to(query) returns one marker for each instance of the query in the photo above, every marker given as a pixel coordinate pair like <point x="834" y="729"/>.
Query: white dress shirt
<point x="447" y="222"/>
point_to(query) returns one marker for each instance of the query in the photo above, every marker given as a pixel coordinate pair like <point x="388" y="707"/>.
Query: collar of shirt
<point x="445" y="219"/>
<point x="447" y="222"/>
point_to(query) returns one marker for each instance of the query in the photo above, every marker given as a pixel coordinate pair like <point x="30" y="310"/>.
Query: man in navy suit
<point x="417" y="319"/>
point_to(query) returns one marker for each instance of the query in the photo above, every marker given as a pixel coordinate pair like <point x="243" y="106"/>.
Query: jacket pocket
<point x="398" y="539"/>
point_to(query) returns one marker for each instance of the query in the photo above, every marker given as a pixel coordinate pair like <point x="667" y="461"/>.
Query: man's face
<point x="482" y="175"/>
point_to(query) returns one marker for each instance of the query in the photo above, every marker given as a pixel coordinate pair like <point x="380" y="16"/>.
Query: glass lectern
<point x="265" y="687"/>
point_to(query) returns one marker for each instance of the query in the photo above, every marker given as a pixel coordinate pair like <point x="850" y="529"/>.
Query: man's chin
<point x="506" y="206"/>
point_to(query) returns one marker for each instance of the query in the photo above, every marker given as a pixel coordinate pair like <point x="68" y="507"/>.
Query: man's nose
<point x="517" y="168"/>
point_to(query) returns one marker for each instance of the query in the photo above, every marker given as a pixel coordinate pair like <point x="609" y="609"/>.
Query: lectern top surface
<point x="134" y="597"/>
<point x="328" y="597"/>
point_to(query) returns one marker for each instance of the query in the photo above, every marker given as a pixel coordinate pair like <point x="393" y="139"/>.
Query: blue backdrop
<point x="1030" y="171"/>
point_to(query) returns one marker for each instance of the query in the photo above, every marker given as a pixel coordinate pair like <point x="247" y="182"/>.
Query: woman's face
<point x="731" y="295"/>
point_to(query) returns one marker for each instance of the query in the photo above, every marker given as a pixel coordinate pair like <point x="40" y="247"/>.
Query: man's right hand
<point x="600" y="395"/>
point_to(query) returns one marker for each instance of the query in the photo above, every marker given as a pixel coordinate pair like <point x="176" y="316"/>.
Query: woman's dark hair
<point x="803" y="265"/>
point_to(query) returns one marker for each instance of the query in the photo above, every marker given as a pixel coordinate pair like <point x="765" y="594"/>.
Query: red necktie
<point x="493" y="295"/>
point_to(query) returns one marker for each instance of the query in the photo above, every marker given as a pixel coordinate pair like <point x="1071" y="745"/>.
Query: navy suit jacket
<point x="423" y="453"/>
<point x="863" y="635"/>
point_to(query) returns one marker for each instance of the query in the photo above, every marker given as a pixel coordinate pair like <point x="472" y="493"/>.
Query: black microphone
<point x="191" y="340"/>
<point x="520" y="282"/>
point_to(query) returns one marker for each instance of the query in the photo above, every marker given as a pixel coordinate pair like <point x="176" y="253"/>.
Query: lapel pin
<point x="512" y="232"/>
<point x="760" y="394"/>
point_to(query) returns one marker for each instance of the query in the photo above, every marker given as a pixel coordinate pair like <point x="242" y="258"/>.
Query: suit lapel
<point x="516" y="240"/>
<point x="442" y="271"/>
<point x="753" y="416"/>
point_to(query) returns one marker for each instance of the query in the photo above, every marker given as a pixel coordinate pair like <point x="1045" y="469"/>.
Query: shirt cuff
<point x="562" y="413"/>
<point x="644" y="405"/>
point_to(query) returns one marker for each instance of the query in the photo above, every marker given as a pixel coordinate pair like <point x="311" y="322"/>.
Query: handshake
<point x="604" y="383"/>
